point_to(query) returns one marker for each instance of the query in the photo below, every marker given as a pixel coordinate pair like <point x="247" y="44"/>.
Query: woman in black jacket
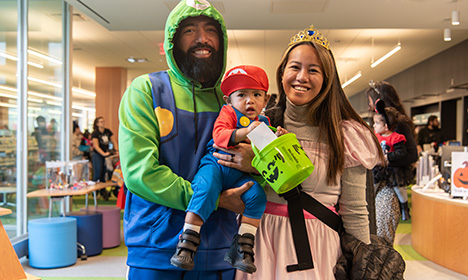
<point x="388" y="208"/>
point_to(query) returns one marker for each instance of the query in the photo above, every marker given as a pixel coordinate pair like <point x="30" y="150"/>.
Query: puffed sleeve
<point x="359" y="146"/>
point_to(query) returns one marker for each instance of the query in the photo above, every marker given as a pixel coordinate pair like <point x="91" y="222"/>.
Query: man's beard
<point x="205" y="70"/>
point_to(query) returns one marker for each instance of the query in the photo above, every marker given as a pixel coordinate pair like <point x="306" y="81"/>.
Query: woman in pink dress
<point x="341" y="146"/>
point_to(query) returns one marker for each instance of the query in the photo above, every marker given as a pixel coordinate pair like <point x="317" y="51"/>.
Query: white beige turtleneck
<point x="350" y="191"/>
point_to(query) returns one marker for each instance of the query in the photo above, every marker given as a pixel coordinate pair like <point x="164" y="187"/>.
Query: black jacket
<point x="376" y="261"/>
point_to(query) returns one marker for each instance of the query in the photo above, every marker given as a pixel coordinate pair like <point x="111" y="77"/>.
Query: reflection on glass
<point x="8" y="113"/>
<point x="45" y="96"/>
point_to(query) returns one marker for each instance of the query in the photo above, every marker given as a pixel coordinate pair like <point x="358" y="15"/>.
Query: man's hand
<point x="240" y="157"/>
<point x="231" y="200"/>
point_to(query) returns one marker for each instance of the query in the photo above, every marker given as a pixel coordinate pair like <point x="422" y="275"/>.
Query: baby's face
<point x="249" y="102"/>
<point x="379" y="124"/>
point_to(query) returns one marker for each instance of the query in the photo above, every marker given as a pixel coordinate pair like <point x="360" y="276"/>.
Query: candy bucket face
<point x="283" y="163"/>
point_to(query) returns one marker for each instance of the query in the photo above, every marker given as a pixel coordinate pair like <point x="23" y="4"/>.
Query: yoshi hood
<point x="183" y="10"/>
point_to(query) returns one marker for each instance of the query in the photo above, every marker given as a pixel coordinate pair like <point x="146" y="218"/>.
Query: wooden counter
<point x="440" y="228"/>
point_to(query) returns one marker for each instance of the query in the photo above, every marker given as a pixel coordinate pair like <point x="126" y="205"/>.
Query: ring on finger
<point x="232" y="158"/>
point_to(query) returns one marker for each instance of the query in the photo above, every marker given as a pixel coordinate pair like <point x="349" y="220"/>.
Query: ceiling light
<point x="390" y="53"/>
<point x="8" y="95"/>
<point x="12" y="89"/>
<point x="455" y="18"/>
<point x="447" y="35"/>
<point x="54" y="112"/>
<point x="138" y="60"/>
<point x="84" y="92"/>
<point x="53" y="103"/>
<point x="8" y="88"/>
<point x="34" y="100"/>
<point x="12" y="57"/>
<point x="49" y="58"/>
<point x="348" y="82"/>
<point x="44" y="95"/>
<point x="8" y="105"/>
<point x="76" y="90"/>
<point x="45" y="82"/>
<point x="77" y="115"/>
<point x="83" y="108"/>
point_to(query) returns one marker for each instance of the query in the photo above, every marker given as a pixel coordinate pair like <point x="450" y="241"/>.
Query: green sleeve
<point x="139" y="150"/>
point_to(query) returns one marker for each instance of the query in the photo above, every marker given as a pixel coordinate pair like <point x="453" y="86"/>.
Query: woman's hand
<point x="230" y="199"/>
<point x="240" y="157"/>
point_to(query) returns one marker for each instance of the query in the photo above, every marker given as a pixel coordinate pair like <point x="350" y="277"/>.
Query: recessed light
<point x="137" y="60"/>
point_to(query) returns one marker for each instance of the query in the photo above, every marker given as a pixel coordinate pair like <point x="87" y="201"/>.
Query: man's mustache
<point x="200" y="45"/>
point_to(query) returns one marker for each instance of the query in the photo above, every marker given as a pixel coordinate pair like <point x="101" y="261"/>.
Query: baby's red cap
<point x="244" y="77"/>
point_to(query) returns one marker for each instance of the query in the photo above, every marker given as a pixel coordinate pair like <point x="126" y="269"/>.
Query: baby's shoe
<point x="241" y="255"/>
<point x="187" y="247"/>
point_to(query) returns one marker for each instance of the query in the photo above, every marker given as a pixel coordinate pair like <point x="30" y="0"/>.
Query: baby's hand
<point x="252" y="126"/>
<point x="280" y="131"/>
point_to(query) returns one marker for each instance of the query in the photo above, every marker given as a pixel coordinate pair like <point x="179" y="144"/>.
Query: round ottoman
<point x="52" y="242"/>
<point x="110" y="225"/>
<point x="89" y="226"/>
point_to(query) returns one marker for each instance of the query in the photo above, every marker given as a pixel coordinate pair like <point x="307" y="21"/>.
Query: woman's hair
<point x="384" y="91"/>
<point x="328" y="109"/>
<point x="96" y="120"/>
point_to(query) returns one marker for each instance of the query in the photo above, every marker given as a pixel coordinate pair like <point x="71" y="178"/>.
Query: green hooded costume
<point x="166" y="120"/>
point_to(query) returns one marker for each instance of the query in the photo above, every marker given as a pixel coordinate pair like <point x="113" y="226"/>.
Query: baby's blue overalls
<point x="212" y="178"/>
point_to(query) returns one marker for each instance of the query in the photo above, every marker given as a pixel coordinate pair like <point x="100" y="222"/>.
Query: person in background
<point x="430" y="134"/>
<point x="387" y="203"/>
<point x="101" y="138"/>
<point x="86" y="144"/>
<point x="393" y="146"/>
<point x="166" y="120"/>
<point x="245" y="91"/>
<point x="43" y="139"/>
<point x="312" y="105"/>
<point x="77" y="136"/>
<point x="40" y="131"/>
<point x="52" y="127"/>
<point x="5" y="131"/>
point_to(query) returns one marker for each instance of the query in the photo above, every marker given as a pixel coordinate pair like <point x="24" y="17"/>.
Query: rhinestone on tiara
<point x="310" y="34"/>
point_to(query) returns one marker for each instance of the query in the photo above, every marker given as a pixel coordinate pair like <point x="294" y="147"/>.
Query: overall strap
<point x="244" y="121"/>
<point x="163" y="99"/>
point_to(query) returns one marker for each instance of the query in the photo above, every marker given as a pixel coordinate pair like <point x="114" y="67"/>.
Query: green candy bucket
<point x="283" y="163"/>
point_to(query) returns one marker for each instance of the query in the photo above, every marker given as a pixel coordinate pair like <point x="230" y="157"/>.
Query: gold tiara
<point x="310" y="34"/>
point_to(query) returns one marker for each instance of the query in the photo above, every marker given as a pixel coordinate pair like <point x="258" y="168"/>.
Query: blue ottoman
<point x="89" y="225"/>
<point x="52" y="242"/>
